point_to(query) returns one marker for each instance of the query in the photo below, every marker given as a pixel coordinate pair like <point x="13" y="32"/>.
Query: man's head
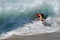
<point x="40" y="16"/>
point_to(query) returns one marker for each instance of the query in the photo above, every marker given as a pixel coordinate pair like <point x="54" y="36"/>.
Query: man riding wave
<point x="40" y="16"/>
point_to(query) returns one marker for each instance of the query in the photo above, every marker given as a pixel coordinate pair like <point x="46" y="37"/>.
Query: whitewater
<point x="17" y="17"/>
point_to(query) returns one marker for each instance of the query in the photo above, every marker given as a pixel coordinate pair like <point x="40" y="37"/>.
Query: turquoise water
<point x="17" y="13"/>
<point x="12" y="19"/>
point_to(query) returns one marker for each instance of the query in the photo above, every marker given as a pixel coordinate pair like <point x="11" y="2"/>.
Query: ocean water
<point x="18" y="17"/>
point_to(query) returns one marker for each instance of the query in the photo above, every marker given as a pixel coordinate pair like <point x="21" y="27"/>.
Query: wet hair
<point x="42" y="15"/>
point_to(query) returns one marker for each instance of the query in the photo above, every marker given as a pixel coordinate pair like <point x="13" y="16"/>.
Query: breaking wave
<point x="17" y="17"/>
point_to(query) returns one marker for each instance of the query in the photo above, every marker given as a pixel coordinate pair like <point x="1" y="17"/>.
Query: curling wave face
<point x="17" y="17"/>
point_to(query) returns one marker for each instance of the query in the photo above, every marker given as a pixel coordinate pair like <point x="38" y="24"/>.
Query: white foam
<point x="36" y="27"/>
<point x="33" y="28"/>
<point x="7" y="35"/>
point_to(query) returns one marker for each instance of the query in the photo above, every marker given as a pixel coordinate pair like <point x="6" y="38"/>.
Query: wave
<point x="17" y="17"/>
